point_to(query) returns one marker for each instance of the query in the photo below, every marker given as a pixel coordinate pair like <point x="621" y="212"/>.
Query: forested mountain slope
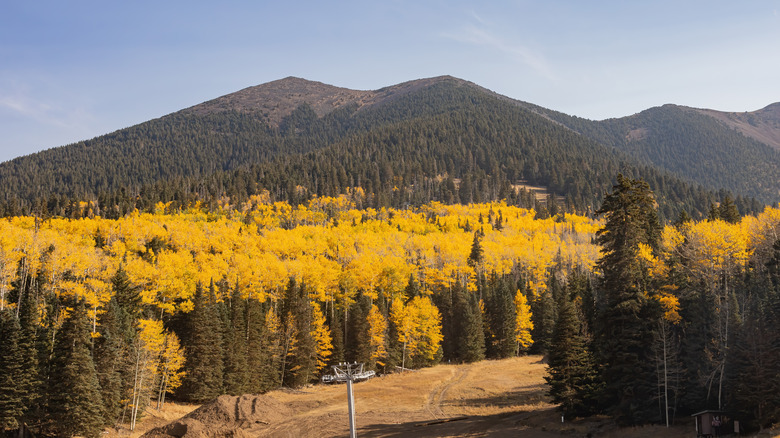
<point x="737" y="152"/>
<point x="762" y="125"/>
<point x="439" y="139"/>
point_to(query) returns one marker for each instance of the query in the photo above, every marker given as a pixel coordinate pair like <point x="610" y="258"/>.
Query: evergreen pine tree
<point x="443" y="300"/>
<point x="128" y="295"/>
<point x="412" y="288"/>
<point x="300" y="361"/>
<point x="627" y="317"/>
<point x="728" y="211"/>
<point x="111" y="359"/>
<point x="696" y="310"/>
<point x="236" y="348"/>
<point x="11" y="395"/>
<point x="470" y="335"/>
<point x="754" y="363"/>
<point x="477" y="254"/>
<point x="394" y="346"/>
<point x="263" y="352"/>
<point x="337" y="336"/>
<point x="44" y="342"/>
<point x="30" y="380"/>
<point x="204" y="365"/>
<point x="543" y="318"/>
<point x="358" y="348"/>
<point x="75" y="403"/>
<point x="714" y="213"/>
<point x="572" y="375"/>
<point x="501" y="316"/>
<point x="682" y="218"/>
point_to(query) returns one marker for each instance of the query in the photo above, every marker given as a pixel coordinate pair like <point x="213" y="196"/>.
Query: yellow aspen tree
<point x="419" y="328"/>
<point x="171" y="367"/>
<point x="524" y="324"/>
<point x="10" y="255"/>
<point x="377" y="337"/>
<point x="405" y="325"/>
<point x="321" y="335"/>
<point x="146" y="353"/>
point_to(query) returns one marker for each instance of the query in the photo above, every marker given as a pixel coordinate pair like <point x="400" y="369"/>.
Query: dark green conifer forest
<point x="450" y="142"/>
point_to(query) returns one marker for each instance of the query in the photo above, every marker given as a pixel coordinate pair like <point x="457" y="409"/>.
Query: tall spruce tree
<point x="205" y="367"/>
<point x="754" y="364"/>
<point x="112" y="361"/>
<point x="627" y="316"/>
<point x="477" y="254"/>
<point x="128" y="295"/>
<point x="300" y="362"/>
<point x="469" y="331"/>
<point x="727" y="211"/>
<point x="358" y="348"/>
<point x="543" y="318"/>
<point x="501" y="316"/>
<point x="44" y="341"/>
<point x="263" y="351"/>
<point x="11" y="395"/>
<point x="75" y="403"/>
<point x="572" y="375"/>
<point x="443" y="299"/>
<point x="236" y="348"/>
<point x="30" y="380"/>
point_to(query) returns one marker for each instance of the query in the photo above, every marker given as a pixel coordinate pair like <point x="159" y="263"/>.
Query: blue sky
<point x="74" y="70"/>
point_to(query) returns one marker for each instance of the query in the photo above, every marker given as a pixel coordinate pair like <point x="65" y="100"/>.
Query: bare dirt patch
<point x="486" y="399"/>
<point x="152" y="418"/>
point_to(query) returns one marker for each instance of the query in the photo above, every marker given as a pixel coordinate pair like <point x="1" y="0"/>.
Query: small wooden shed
<point x="704" y="423"/>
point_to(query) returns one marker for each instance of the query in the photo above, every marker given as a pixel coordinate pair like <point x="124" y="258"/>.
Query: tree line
<point x="256" y="295"/>
<point x="676" y="320"/>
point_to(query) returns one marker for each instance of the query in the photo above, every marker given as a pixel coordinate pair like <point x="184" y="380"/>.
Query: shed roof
<point x="708" y="411"/>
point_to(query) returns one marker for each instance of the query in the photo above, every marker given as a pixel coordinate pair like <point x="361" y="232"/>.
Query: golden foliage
<point x="524" y="323"/>
<point x="671" y="307"/>
<point x="419" y="326"/>
<point x="341" y="250"/>
<point x="377" y="335"/>
<point x="321" y="336"/>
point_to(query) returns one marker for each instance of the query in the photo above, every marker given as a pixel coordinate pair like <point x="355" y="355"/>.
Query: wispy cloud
<point x="43" y="112"/>
<point x="479" y="34"/>
<point x="26" y="107"/>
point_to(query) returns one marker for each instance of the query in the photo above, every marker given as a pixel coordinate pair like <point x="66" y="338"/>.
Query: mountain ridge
<point x="762" y="125"/>
<point x="277" y="99"/>
<point x="453" y="130"/>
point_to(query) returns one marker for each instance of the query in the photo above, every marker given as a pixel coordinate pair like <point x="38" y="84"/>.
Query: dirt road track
<point x="437" y="396"/>
<point x="497" y="398"/>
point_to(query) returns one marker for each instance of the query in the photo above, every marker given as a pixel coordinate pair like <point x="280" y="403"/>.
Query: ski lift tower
<point x="350" y="372"/>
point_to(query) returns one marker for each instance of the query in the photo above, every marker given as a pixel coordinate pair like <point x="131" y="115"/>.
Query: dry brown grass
<point x="491" y="398"/>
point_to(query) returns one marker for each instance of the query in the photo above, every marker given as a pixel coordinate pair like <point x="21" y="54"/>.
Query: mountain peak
<point x="276" y="99"/>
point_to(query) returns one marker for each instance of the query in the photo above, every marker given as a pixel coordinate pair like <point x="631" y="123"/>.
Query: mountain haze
<point x="440" y="138"/>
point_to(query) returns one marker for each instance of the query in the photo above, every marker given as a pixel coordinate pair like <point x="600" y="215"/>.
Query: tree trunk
<point x="403" y="358"/>
<point x="666" y="376"/>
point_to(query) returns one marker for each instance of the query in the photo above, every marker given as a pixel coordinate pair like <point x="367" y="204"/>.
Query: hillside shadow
<point x="506" y="424"/>
<point x="526" y="395"/>
<point x="528" y="422"/>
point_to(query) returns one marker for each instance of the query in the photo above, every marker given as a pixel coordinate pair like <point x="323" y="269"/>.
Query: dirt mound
<point x="226" y="416"/>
